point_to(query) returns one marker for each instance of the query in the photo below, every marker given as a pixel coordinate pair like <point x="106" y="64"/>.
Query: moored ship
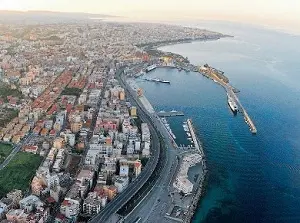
<point x="150" y="68"/>
<point x="158" y="80"/>
<point x="233" y="106"/>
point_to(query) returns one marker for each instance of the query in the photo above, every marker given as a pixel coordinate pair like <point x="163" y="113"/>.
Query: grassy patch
<point x="72" y="91"/>
<point x="19" y="172"/>
<point x="5" y="91"/>
<point x="6" y="115"/>
<point x="5" y="150"/>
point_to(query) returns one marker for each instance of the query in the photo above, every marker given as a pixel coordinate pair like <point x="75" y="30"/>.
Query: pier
<point x="170" y="114"/>
<point x="232" y="92"/>
<point x="243" y="110"/>
<point x="194" y="137"/>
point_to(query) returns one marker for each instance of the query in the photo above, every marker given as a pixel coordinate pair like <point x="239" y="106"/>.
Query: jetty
<point x="194" y="137"/>
<point x="220" y="78"/>
<point x="243" y="110"/>
<point x="170" y="114"/>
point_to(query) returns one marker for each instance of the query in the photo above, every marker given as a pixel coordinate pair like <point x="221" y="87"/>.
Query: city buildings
<point x="71" y="110"/>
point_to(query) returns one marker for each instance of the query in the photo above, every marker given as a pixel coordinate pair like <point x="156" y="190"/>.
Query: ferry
<point x="157" y="80"/>
<point x="233" y="106"/>
<point x="150" y="68"/>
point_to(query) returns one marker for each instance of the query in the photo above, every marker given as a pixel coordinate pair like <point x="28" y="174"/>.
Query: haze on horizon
<point x="274" y="13"/>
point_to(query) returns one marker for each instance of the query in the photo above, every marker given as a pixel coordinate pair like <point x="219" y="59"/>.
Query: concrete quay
<point x="194" y="137"/>
<point x="170" y="114"/>
<point x="231" y="91"/>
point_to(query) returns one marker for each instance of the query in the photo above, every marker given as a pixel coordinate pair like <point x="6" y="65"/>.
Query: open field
<point x="5" y="150"/>
<point x="19" y="172"/>
<point x="6" y="115"/>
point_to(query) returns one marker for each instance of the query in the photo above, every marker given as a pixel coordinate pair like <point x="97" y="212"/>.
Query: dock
<point x="194" y="137"/>
<point x="170" y="114"/>
<point x="244" y="112"/>
<point x="232" y="92"/>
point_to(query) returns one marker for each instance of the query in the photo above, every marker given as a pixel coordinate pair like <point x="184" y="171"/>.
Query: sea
<point x="251" y="178"/>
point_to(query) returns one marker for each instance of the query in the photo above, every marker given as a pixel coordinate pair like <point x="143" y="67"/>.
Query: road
<point x="112" y="207"/>
<point x="15" y="150"/>
<point x="154" y="206"/>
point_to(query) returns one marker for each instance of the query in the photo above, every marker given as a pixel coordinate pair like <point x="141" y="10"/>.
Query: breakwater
<point x="220" y="78"/>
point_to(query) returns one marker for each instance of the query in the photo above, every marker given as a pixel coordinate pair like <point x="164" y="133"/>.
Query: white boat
<point x="233" y="106"/>
<point x="150" y="68"/>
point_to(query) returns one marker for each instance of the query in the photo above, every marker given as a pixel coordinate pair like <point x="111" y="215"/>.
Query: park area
<point x="19" y="172"/>
<point x="5" y="150"/>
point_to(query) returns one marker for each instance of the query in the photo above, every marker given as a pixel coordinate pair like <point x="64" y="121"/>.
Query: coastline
<point x="203" y="182"/>
<point x="156" y="45"/>
<point x="219" y="183"/>
<point x="199" y="185"/>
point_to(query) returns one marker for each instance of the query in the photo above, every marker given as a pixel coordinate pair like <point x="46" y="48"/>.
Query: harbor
<point x="187" y="185"/>
<point x="167" y="126"/>
<point x="212" y="73"/>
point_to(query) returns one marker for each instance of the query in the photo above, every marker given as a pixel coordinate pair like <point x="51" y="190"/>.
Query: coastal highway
<point x="112" y="207"/>
<point x="154" y="206"/>
<point x="15" y="150"/>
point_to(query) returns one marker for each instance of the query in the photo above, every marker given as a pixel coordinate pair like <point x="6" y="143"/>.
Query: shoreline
<point x="202" y="183"/>
<point x="156" y="45"/>
<point x="199" y="185"/>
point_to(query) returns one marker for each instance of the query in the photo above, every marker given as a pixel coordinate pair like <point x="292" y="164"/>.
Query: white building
<point x="137" y="146"/>
<point x="60" y="117"/>
<point x="145" y="132"/>
<point x="70" y="208"/>
<point x="146" y="149"/>
<point x="30" y="203"/>
<point x="130" y="149"/>
<point x="70" y="138"/>
<point x="124" y="170"/>
<point x="92" y="204"/>
<point x="121" y="183"/>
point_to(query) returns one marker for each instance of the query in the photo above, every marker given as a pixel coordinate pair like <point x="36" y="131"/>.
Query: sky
<point x="279" y="13"/>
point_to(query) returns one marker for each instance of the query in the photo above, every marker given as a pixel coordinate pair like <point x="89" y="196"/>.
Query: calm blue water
<point x="251" y="178"/>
